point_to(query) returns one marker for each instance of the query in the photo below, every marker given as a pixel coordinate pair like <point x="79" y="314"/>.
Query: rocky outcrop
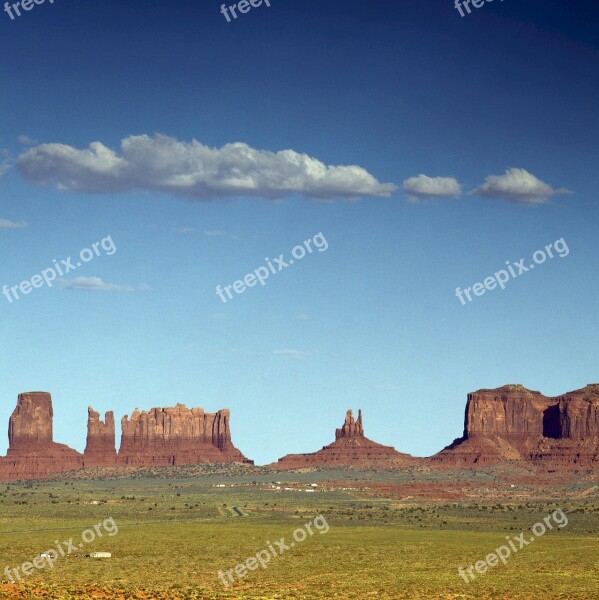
<point x="32" y="452"/>
<point x="351" y="448"/>
<point x="162" y="436"/>
<point x="507" y="423"/>
<point x="177" y="436"/>
<point x="30" y="424"/>
<point x="514" y="423"/>
<point x="350" y="427"/>
<point x="100" y="450"/>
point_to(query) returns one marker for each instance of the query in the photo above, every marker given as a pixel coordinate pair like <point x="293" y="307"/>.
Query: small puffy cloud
<point x="214" y="233"/>
<point x="423" y="186"/>
<point x="517" y="185"/>
<point x="92" y="284"/>
<point x="25" y="140"/>
<point x="292" y="354"/>
<point x="193" y="170"/>
<point x="6" y="224"/>
<point x="184" y="230"/>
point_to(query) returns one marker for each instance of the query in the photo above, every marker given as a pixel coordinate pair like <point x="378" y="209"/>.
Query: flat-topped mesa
<point x="513" y="423"/>
<point x="177" y="435"/>
<point x="100" y="450"/>
<point x="351" y="448"/>
<point x="350" y="427"/>
<point x="30" y="424"/>
<point x="510" y="411"/>
<point x="32" y="453"/>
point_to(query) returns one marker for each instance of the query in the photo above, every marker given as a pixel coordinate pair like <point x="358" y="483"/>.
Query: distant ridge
<point x="510" y="423"/>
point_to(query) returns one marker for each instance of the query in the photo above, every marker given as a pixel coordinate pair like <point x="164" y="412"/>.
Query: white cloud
<point x="184" y="230"/>
<point x="193" y="170"/>
<point x="215" y="233"/>
<point x="25" y="140"/>
<point x="92" y="284"/>
<point x="424" y="186"/>
<point x="6" y="224"/>
<point x="292" y="354"/>
<point x="517" y="185"/>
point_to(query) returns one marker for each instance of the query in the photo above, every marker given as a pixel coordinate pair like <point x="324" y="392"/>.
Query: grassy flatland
<point x="387" y="539"/>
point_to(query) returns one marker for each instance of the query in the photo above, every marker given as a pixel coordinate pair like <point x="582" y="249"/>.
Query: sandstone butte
<point x="350" y="448"/>
<point x="503" y="424"/>
<point x="514" y="423"/>
<point x="162" y="436"/>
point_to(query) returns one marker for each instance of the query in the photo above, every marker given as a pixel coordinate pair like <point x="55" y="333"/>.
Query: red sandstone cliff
<point x="100" y="450"/>
<point x="31" y="422"/>
<point x="514" y="423"/>
<point x="350" y="448"/>
<point x="162" y="436"/>
<point x="507" y="423"/>
<point x="177" y="436"/>
<point x="32" y="453"/>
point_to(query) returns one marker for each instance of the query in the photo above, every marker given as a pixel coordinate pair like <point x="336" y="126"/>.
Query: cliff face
<point x="512" y="412"/>
<point x="514" y="423"/>
<point x="30" y="424"/>
<point x="162" y="436"/>
<point x="100" y="450"/>
<point x="579" y="414"/>
<point x="32" y="453"/>
<point x="177" y="436"/>
<point x="350" y="448"/>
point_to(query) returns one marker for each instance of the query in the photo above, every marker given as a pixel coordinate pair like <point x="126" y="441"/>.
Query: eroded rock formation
<point x="177" y="436"/>
<point x="507" y="423"/>
<point x="350" y="427"/>
<point x="32" y="452"/>
<point x="100" y="450"/>
<point x="514" y="423"/>
<point x="162" y="436"/>
<point x="30" y="424"/>
<point x="350" y="448"/>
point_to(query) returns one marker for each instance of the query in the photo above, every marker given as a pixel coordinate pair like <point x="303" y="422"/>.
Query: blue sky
<point x="397" y="89"/>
